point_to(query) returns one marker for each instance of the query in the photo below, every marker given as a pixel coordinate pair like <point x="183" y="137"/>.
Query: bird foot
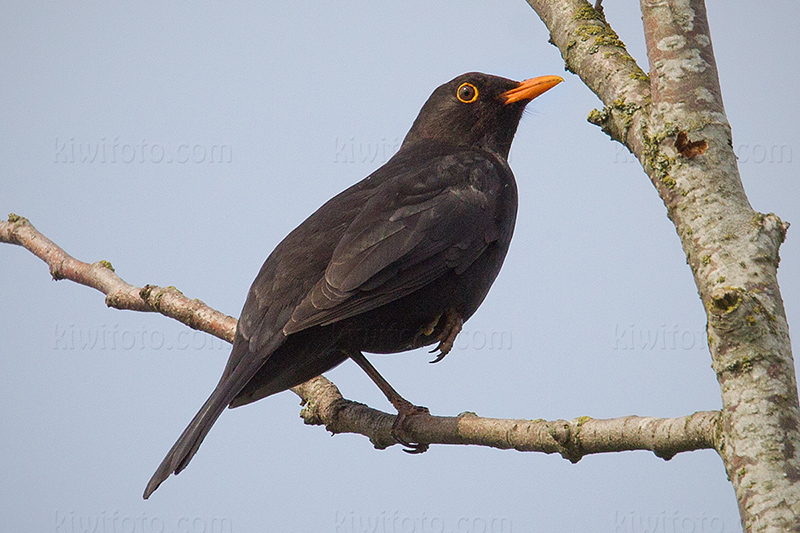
<point x="405" y="410"/>
<point x="447" y="338"/>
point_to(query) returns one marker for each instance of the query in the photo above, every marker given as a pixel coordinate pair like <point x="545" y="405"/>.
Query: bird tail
<point x="187" y="444"/>
<point x="231" y="383"/>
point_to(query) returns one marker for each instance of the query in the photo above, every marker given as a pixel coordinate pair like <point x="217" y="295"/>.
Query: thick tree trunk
<point x="675" y="124"/>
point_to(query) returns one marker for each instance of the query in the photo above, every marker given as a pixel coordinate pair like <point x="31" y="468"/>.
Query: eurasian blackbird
<point x="397" y="261"/>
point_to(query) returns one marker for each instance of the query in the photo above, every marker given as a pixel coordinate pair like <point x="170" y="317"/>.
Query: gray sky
<point x="182" y="140"/>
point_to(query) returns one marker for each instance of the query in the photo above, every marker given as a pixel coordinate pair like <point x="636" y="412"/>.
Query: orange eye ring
<point x="467" y="93"/>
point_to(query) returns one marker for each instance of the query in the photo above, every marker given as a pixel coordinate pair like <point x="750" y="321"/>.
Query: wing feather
<point x="391" y="250"/>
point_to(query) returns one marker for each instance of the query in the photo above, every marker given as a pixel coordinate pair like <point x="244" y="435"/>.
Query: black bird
<point x="397" y="261"/>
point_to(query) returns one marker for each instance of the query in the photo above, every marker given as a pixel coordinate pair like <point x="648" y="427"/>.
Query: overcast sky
<point x="182" y="140"/>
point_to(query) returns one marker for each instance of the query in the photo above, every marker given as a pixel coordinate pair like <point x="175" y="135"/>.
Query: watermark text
<point x="666" y="522"/>
<point x="663" y="337"/>
<point x="115" y="337"/>
<point x="116" y="151"/>
<point x="397" y="522"/>
<point x="116" y="522"/>
<point x="352" y="150"/>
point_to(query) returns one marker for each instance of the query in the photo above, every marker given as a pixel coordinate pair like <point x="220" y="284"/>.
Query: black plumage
<point x="397" y="261"/>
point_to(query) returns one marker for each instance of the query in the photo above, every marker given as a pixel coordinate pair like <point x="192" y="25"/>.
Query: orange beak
<point x="530" y="89"/>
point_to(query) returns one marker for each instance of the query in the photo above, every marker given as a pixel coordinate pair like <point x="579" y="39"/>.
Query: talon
<point x="452" y="327"/>
<point x="438" y="357"/>
<point x="416" y="448"/>
<point x="403" y="412"/>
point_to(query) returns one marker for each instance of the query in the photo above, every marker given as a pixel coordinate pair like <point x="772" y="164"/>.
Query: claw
<point x="452" y="327"/>
<point x="397" y="428"/>
<point x="438" y="357"/>
<point x="414" y="449"/>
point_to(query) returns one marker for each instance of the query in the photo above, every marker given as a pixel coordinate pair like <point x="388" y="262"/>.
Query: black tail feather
<point x="187" y="444"/>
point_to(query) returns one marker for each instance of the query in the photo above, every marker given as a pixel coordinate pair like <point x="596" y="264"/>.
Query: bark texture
<point x="674" y="122"/>
<point x="324" y="404"/>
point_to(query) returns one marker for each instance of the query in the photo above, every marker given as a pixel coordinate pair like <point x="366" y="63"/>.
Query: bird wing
<point x="409" y="230"/>
<point x="412" y="231"/>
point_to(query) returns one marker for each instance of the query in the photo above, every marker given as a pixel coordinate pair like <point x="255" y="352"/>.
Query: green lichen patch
<point x="589" y="30"/>
<point x="106" y="264"/>
<point x="627" y="109"/>
<point x="618" y="108"/>
<point x="17" y="219"/>
<point x="174" y="288"/>
<point x="607" y="38"/>
<point x="600" y="34"/>
<point x="668" y="181"/>
<point x="745" y="364"/>
<point x="598" y="117"/>
<point x="764" y="312"/>
<point x="640" y="75"/>
<point x="587" y="12"/>
<point x="658" y="163"/>
<point x="727" y="302"/>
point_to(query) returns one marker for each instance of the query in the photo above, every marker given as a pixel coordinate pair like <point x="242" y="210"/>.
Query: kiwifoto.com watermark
<point x="117" y="522"/>
<point x="663" y="337"/>
<point x="112" y="337"/>
<point x="397" y="522"/>
<point x="774" y="153"/>
<point x="111" y="151"/>
<point x="365" y="151"/>
<point x="667" y="522"/>
<point x="483" y="340"/>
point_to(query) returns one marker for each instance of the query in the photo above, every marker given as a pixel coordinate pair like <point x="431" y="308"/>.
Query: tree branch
<point x="594" y="51"/>
<point x="324" y="404"/>
<point x="572" y="439"/>
<point x="733" y="253"/>
<point x="683" y="140"/>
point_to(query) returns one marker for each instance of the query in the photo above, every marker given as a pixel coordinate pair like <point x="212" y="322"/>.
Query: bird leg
<point x="447" y="338"/>
<point x="404" y="408"/>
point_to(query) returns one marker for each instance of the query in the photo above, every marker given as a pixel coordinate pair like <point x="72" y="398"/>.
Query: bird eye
<point x="467" y="93"/>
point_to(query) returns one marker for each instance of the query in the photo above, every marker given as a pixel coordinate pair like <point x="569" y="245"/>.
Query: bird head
<point x="477" y="110"/>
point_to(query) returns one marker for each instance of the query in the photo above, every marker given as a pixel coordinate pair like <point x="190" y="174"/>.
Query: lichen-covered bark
<point x="677" y="128"/>
<point x="593" y="51"/>
<point x="733" y="253"/>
